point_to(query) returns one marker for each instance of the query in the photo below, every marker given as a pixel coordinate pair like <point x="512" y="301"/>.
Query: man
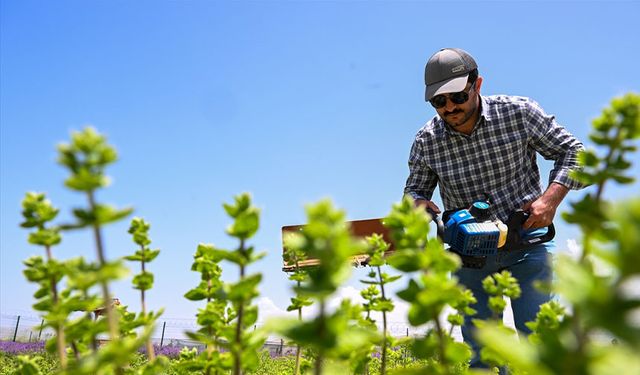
<point x="480" y="147"/>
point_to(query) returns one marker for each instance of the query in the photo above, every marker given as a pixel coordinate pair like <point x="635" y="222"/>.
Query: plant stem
<point x="60" y="337"/>
<point x="209" y="347"/>
<point x="150" y="352"/>
<point x="91" y="318"/>
<point x="237" y="353"/>
<point x="383" y="366"/>
<point x="443" y="359"/>
<point x="319" y="359"/>
<point x="111" y="318"/>
<point x="296" y="370"/>
<point x="76" y="352"/>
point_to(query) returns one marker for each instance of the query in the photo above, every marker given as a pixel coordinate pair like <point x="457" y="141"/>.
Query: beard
<point x="459" y="116"/>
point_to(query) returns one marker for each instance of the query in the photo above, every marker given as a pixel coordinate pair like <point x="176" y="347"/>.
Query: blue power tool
<point x="473" y="235"/>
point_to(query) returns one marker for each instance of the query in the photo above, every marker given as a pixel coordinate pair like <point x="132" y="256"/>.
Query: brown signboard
<point x="359" y="228"/>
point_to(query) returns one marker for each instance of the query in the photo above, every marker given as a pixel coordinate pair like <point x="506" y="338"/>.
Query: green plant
<point x="295" y="256"/>
<point x="228" y="316"/>
<point x="375" y="295"/>
<point x="498" y="286"/>
<point x="336" y="335"/>
<point x="431" y="290"/>
<point x="244" y="344"/>
<point x="595" y="286"/>
<point x="37" y="212"/>
<point x="86" y="157"/>
<point x="139" y="229"/>
<point x="213" y="319"/>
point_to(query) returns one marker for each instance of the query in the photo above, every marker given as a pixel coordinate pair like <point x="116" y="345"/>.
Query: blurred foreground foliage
<point x="593" y="329"/>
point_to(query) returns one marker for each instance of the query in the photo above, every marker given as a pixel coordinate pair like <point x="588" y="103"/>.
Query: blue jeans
<point x="527" y="266"/>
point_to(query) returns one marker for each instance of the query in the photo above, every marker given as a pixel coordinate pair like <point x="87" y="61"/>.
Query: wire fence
<point x="169" y="333"/>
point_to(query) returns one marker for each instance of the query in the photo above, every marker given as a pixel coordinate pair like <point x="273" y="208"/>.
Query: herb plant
<point x="431" y="290"/>
<point x="591" y="330"/>
<point x="295" y="256"/>
<point x="578" y="339"/>
<point x="375" y="295"/>
<point x="334" y="335"/>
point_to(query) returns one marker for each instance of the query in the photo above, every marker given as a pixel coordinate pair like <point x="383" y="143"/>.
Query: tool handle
<point x="515" y="240"/>
<point x="440" y="225"/>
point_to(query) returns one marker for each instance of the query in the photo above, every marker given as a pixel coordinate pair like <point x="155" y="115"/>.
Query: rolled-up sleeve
<point x="422" y="180"/>
<point x="553" y="142"/>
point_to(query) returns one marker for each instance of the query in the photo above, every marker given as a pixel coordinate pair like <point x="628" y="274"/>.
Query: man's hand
<point x="427" y="205"/>
<point x="542" y="210"/>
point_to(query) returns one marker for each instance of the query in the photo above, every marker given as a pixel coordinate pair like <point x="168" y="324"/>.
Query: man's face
<point x="456" y="115"/>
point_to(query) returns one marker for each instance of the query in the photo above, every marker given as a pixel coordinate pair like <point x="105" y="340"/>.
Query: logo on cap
<point x="458" y="69"/>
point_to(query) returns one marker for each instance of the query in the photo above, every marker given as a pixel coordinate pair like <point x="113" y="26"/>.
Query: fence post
<point x="15" y="333"/>
<point x="164" y="324"/>
<point x="40" y="333"/>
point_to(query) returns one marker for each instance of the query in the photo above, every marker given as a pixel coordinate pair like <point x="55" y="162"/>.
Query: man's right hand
<point x="428" y="205"/>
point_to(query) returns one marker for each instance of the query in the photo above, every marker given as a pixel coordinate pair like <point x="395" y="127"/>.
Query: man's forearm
<point x="542" y="210"/>
<point x="554" y="194"/>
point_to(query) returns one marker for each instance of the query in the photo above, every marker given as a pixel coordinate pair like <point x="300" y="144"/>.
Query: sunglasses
<point x="461" y="97"/>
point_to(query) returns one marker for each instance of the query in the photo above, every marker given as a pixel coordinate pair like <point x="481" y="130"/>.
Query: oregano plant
<point x="498" y="286"/>
<point x="590" y="330"/>
<point x="431" y="290"/>
<point x="38" y="212"/>
<point x="595" y="334"/>
<point x="68" y="286"/>
<point x="376" y="295"/>
<point x="86" y="157"/>
<point x="294" y="257"/>
<point x="213" y="318"/>
<point x="229" y="317"/>
<point x="330" y="335"/>
<point x="243" y="342"/>
<point x="143" y="281"/>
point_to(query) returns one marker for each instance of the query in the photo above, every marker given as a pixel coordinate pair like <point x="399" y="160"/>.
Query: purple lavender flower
<point x="21" y="347"/>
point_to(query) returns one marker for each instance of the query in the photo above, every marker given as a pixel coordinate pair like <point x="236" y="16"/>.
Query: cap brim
<point x="456" y="84"/>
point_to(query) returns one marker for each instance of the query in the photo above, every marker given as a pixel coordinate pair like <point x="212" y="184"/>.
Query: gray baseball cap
<point x="447" y="71"/>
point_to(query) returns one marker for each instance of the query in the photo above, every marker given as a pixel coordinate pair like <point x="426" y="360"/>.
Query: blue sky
<point x="292" y="101"/>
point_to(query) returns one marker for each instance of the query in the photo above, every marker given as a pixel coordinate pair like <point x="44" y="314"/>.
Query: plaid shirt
<point x="496" y="161"/>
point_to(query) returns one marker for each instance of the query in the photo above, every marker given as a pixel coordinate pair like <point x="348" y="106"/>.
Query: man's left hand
<point x="541" y="214"/>
<point x="542" y="210"/>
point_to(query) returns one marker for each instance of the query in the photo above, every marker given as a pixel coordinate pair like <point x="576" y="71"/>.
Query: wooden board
<point x="359" y="228"/>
